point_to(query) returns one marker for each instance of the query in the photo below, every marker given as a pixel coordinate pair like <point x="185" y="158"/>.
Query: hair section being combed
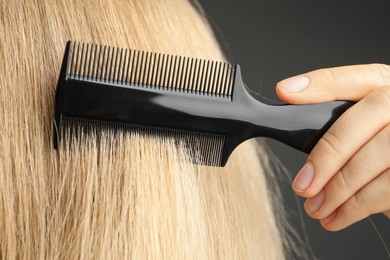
<point x="124" y="196"/>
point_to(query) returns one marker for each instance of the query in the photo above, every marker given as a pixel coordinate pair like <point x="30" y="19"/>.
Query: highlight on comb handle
<point x="139" y="68"/>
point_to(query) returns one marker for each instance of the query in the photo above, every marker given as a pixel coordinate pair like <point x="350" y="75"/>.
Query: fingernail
<point x="329" y="218"/>
<point x="304" y="177"/>
<point x="294" y="84"/>
<point x="313" y="204"/>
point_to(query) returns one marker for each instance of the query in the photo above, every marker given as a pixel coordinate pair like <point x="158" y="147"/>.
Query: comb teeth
<point x="91" y="62"/>
<point x="202" y="148"/>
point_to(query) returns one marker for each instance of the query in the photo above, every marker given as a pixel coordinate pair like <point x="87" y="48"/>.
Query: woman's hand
<point x="347" y="175"/>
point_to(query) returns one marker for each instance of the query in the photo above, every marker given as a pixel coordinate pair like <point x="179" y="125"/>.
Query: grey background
<point x="275" y="39"/>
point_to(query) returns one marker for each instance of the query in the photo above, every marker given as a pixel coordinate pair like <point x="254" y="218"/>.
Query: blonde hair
<point x="128" y="196"/>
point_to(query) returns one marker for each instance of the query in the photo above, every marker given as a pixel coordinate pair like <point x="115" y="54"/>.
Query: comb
<point x="200" y="104"/>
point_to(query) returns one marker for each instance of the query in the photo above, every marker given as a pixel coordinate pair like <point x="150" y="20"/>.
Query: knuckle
<point x="328" y="75"/>
<point x="387" y="130"/>
<point x="386" y="181"/>
<point x="385" y="140"/>
<point x="383" y="71"/>
<point x="329" y="144"/>
<point x="353" y="204"/>
<point x="340" y="181"/>
<point x="381" y="96"/>
<point x="338" y="189"/>
<point x="358" y="204"/>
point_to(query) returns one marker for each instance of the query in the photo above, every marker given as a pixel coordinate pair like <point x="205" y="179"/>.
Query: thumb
<point x="350" y="83"/>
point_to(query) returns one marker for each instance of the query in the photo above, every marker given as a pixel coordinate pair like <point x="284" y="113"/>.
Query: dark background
<point x="275" y="39"/>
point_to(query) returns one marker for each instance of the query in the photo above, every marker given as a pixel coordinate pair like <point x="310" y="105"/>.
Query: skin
<point x="347" y="174"/>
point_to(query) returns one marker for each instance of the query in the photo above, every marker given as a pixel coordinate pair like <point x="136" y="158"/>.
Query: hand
<point x="347" y="175"/>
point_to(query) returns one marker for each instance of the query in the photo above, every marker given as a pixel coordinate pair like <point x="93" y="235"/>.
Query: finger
<point x="364" y="167"/>
<point x="373" y="198"/>
<point x="343" y="139"/>
<point x="342" y="83"/>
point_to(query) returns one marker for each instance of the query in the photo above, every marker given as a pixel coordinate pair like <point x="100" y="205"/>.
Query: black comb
<point x="200" y="104"/>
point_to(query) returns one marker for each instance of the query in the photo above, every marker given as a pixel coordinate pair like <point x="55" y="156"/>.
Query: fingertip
<point x="313" y="190"/>
<point x="309" y="193"/>
<point x="304" y="179"/>
<point x="330" y="222"/>
<point x="300" y="193"/>
<point x="292" y="98"/>
<point x="313" y="204"/>
<point x="281" y="93"/>
<point x="285" y="96"/>
<point x="294" y="84"/>
<point x="330" y="227"/>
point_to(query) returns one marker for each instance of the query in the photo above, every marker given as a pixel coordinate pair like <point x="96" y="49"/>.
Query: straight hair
<point x="125" y="195"/>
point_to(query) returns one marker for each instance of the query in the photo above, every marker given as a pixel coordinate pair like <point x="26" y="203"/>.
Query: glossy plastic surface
<point x="238" y="118"/>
